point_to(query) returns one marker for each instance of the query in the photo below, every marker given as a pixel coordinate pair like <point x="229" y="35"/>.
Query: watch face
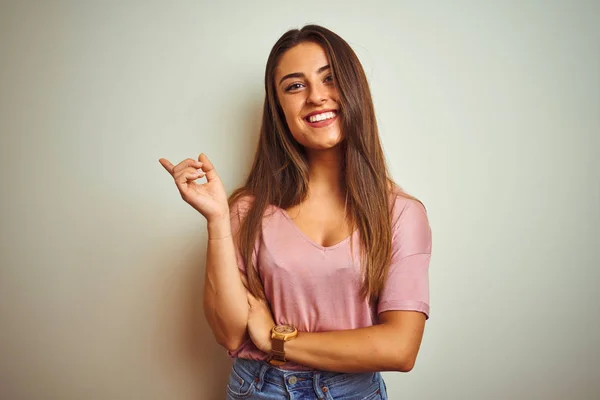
<point x="284" y="329"/>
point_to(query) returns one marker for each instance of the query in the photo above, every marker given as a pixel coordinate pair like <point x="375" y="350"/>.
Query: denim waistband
<point x="263" y="371"/>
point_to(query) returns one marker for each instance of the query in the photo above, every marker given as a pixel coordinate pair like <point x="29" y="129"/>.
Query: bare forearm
<point x="225" y="301"/>
<point x="376" y="348"/>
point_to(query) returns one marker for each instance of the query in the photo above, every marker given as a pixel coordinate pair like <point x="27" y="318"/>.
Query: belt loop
<point x="317" y="385"/>
<point x="375" y="377"/>
<point x="260" y="379"/>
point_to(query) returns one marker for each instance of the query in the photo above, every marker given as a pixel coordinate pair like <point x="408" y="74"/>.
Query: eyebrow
<point x="301" y="75"/>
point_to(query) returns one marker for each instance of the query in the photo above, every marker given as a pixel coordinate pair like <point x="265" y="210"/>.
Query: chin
<point x="319" y="140"/>
<point x="323" y="145"/>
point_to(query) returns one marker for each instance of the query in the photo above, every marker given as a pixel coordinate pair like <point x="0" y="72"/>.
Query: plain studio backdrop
<point x="489" y="113"/>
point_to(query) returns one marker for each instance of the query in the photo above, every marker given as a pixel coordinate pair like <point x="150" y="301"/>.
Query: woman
<point x="317" y="268"/>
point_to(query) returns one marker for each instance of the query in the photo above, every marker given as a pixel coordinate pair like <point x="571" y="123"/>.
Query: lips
<point x="321" y="120"/>
<point x="321" y="115"/>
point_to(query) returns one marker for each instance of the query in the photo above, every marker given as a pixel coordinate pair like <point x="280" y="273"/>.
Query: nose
<point x="317" y="94"/>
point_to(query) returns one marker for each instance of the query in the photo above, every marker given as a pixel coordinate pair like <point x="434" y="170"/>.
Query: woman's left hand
<point x="260" y="323"/>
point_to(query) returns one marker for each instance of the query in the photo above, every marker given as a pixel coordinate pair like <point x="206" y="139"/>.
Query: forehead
<point x="306" y="57"/>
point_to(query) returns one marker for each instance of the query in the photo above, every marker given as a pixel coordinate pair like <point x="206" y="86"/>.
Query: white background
<point x="489" y="113"/>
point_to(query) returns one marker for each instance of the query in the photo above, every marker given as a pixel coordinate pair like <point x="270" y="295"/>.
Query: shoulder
<point x="406" y="206"/>
<point x="410" y="223"/>
<point x="240" y="204"/>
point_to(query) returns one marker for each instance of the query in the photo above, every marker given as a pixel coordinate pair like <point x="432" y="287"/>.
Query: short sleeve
<point x="407" y="284"/>
<point x="237" y="214"/>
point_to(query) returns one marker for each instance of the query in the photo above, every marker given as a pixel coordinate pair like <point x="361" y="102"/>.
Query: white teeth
<point x="321" y="117"/>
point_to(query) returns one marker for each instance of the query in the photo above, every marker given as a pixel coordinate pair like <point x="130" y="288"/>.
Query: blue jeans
<point x="262" y="381"/>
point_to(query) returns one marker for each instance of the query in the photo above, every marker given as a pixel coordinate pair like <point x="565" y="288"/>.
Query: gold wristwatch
<point x="279" y="335"/>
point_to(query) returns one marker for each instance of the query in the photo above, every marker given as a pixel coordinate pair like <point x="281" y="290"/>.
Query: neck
<point x="325" y="172"/>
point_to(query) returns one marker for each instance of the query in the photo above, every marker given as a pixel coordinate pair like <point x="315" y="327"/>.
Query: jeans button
<point x="292" y="380"/>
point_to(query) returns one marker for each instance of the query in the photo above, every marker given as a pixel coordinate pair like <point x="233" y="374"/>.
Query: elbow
<point x="405" y="365"/>
<point x="402" y="360"/>
<point x="230" y="335"/>
<point x="395" y="359"/>
<point x="231" y="344"/>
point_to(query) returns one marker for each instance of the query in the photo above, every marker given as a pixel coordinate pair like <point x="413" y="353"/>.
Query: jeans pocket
<point x="240" y="385"/>
<point x="375" y="393"/>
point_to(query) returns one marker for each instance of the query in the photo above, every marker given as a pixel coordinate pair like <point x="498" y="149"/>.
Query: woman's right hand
<point x="209" y="198"/>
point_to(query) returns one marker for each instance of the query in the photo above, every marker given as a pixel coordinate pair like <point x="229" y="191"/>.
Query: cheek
<point x="292" y="113"/>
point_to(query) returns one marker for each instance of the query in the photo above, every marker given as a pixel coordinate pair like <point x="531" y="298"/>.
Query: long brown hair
<point x="279" y="174"/>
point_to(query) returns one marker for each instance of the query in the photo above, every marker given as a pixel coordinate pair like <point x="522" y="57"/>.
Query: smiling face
<point x="308" y="96"/>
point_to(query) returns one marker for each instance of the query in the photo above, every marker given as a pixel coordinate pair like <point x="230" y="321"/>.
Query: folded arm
<point x="392" y="345"/>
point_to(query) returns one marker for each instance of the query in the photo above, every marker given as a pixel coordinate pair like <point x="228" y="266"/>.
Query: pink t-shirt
<point x="317" y="289"/>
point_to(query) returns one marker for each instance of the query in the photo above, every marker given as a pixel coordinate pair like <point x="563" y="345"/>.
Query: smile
<point x="322" y="116"/>
<point x="321" y="119"/>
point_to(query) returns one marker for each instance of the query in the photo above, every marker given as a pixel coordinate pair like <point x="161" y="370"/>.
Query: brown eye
<point x="293" y="86"/>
